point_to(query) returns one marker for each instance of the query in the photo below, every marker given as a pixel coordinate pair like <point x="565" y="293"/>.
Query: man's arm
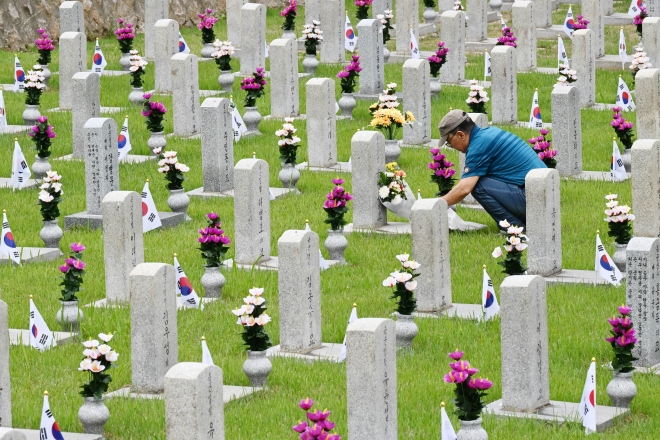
<point x="461" y="190"/>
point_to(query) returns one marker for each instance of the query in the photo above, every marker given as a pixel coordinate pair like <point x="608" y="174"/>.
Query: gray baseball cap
<point x="449" y="123"/>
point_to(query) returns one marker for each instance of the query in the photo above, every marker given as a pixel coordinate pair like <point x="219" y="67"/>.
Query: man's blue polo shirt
<point x="500" y="155"/>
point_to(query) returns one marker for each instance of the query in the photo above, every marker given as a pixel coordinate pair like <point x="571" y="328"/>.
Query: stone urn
<point x="178" y="201"/>
<point x="30" y="114"/>
<point x="336" y="244"/>
<point x="135" y="97"/>
<point x="310" y="63"/>
<point x="622" y="389"/>
<point x="392" y="150"/>
<point x="40" y="167"/>
<point x="495" y="5"/>
<point x="46" y="72"/>
<point x="429" y="15"/>
<point x="93" y="415"/>
<point x="347" y="103"/>
<point x="51" y="234"/>
<point x="386" y="53"/>
<point x="252" y="118"/>
<point x="157" y="140"/>
<point x="619" y="256"/>
<point x="435" y="86"/>
<point x="226" y="80"/>
<point x="257" y="368"/>
<point x="207" y="50"/>
<point x="213" y="281"/>
<point x="289" y="34"/>
<point x="627" y="160"/>
<point x="125" y="62"/>
<point x="69" y="316"/>
<point x="289" y="175"/>
<point x="406" y="330"/>
<point x="471" y="430"/>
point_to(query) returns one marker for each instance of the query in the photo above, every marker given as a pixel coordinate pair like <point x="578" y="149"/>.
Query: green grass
<point x="576" y="314"/>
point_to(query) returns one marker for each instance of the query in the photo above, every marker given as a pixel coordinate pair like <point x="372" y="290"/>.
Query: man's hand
<point x="461" y="190"/>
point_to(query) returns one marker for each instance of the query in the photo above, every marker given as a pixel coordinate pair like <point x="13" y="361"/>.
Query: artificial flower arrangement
<point x="34" y="85"/>
<point x="44" y="47"/>
<point x="386" y="20"/>
<point x="386" y="116"/>
<point x="391" y="184"/>
<point x="640" y="61"/>
<point x="363" y="9"/>
<point x="42" y="133"/>
<point x="442" y="172"/>
<point x="404" y="284"/>
<point x="469" y="391"/>
<point x="619" y="220"/>
<point x="173" y="169"/>
<point x="213" y="243"/>
<point x="580" y="23"/>
<point x="623" y="341"/>
<point x="622" y="128"/>
<point x="253" y="319"/>
<point x="317" y="426"/>
<point x="137" y="68"/>
<point x="206" y="23"/>
<point x="289" y="13"/>
<point x="350" y="74"/>
<point x="222" y="55"/>
<point x="438" y="59"/>
<point x="288" y="143"/>
<point x="386" y="100"/>
<point x="542" y="147"/>
<point x="336" y="205"/>
<point x="312" y="36"/>
<point x="516" y="243"/>
<point x="154" y="113"/>
<point x="99" y="358"/>
<point x="50" y="196"/>
<point x="566" y="76"/>
<point x="507" y="38"/>
<point x="125" y="35"/>
<point x="477" y="98"/>
<point x="73" y="270"/>
<point x="254" y="87"/>
<point x="639" y="19"/>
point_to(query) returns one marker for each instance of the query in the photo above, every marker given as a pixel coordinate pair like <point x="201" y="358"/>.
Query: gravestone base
<point x="300" y="117"/>
<point x="404" y="228"/>
<point x="506" y="6"/>
<point x="595" y="175"/>
<point x="602" y="107"/>
<point x="613" y="62"/>
<point x="29" y="184"/>
<point x="574" y="276"/>
<point x="276" y="193"/>
<point x="547" y="70"/>
<point x="137" y="158"/>
<point x="551" y="32"/>
<point x="34" y="255"/>
<point x="83" y="219"/>
<point x="16" y="129"/>
<point x="192" y="136"/>
<point x="172" y="219"/>
<point x="618" y="19"/>
<point x="648" y="370"/>
<point x="374" y="97"/>
<point x="327" y="352"/>
<point x="493" y="16"/>
<point x="22" y="337"/>
<point x="480" y="46"/>
<point x="424" y="29"/>
<point x="461" y="311"/>
<point x="339" y="167"/>
<point x="180" y="306"/>
<point x="112" y="72"/>
<point x="229" y="393"/>
<point x="430" y="144"/>
<point x="525" y="124"/>
<point x="271" y="264"/>
<point x="34" y="434"/>
<point x="108" y="110"/>
<point x="561" y="412"/>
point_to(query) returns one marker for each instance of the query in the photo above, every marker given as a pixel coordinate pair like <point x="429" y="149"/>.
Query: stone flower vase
<point x="429" y="15"/>
<point x="257" y="368"/>
<point x="47" y="73"/>
<point x="406" y="330"/>
<point x="178" y="201"/>
<point x="51" y="234"/>
<point x="226" y="80"/>
<point x="207" y="50"/>
<point x="157" y="140"/>
<point x="213" y="281"/>
<point x="435" y="86"/>
<point x="135" y="97"/>
<point x="289" y="176"/>
<point x="93" y="415"/>
<point x="30" y="114"/>
<point x="125" y="62"/>
<point x="289" y="34"/>
<point x="40" y="167"/>
<point x="392" y="150"/>
<point x="347" y="103"/>
<point x="386" y="53"/>
<point x="252" y="118"/>
<point x="69" y="316"/>
<point x="336" y="244"/>
<point x="619" y="256"/>
<point x="495" y="5"/>
<point x="471" y="430"/>
<point x="622" y="390"/>
<point x="310" y="63"/>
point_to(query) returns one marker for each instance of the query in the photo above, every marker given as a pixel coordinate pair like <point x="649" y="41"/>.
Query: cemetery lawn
<point x="576" y="313"/>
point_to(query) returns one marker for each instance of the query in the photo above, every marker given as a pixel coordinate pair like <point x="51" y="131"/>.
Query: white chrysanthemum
<point x="383" y="192"/>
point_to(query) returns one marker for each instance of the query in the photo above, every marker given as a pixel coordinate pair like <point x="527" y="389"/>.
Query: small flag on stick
<point x="41" y="337"/>
<point x="124" y="140"/>
<point x="446" y="429"/>
<point x="624" y="97"/>
<point x="562" y="57"/>
<point x="98" y="61"/>
<point x="535" y="120"/>
<point x="350" y="39"/>
<point x="3" y="113"/>
<point x="150" y="217"/>
<point x="622" y="49"/>
<point x="183" y="47"/>
<point x="206" y="354"/>
<point x="634" y="8"/>
<point x="20" y="171"/>
<point x="617" y="170"/>
<point x="605" y="267"/>
<point x="587" y="407"/>
<point x="568" y="23"/>
<point x="487" y="65"/>
<point x="488" y="298"/>
<point x="7" y="243"/>
<point x="414" y="47"/>
<point x="189" y="297"/>
<point x="48" y="429"/>
<point x="353" y="317"/>
<point x="19" y="76"/>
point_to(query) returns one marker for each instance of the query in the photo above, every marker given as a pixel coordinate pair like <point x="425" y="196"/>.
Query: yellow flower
<point x="410" y="117"/>
<point x="391" y="166"/>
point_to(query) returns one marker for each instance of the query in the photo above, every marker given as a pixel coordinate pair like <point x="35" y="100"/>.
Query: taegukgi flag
<point x="488" y="298"/>
<point x="236" y="121"/>
<point x="7" y="243"/>
<point x="206" y="354"/>
<point x="487" y="65"/>
<point x="624" y="97"/>
<point x="622" y="48"/>
<point x="446" y="429"/>
<point x="19" y="75"/>
<point x="41" y="337"/>
<point x="20" y="171"/>
<point x="183" y="47"/>
<point x="587" y="407"/>
<point x="414" y="47"/>
<point x="617" y="170"/>
<point x="350" y="39"/>
<point x="124" y="140"/>
<point x="502" y="22"/>
<point x="98" y="61"/>
<point x="48" y="429"/>
<point x="634" y="8"/>
<point x="352" y="318"/>
<point x="3" y="113"/>
<point x="535" y="120"/>
<point x="562" y="57"/>
<point x="189" y="297"/>
<point x="568" y="23"/>
<point x="150" y="217"/>
<point x="605" y="267"/>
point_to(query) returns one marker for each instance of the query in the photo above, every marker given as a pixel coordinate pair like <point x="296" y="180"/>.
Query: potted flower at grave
<point x="624" y="132"/>
<point x="336" y="206"/>
<point x="458" y="6"/>
<point x="394" y="193"/>
<point x="542" y="147"/>
<point x="640" y="61"/>
<point x="206" y="23"/>
<point x="70" y="316"/>
<point x="319" y="426"/>
<point x="621" y="388"/>
<point x="580" y="23"/>
<point x="125" y="35"/>
<point x="477" y="99"/>
<point x="567" y="76"/>
<point x="252" y="318"/>
<point x="154" y="113"/>
<point x="442" y="172"/>
<point x="44" y="47"/>
<point x="254" y="88"/>
<point x="348" y="77"/>
<point x="403" y="285"/>
<point x="169" y="164"/>
<point x="136" y="70"/>
<point x="362" y="9"/>
<point x="222" y="55"/>
<point x="34" y="87"/>
<point x="619" y="221"/>
<point x="288" y="146"/>
<point x="99" y="359"/>
<point x="516" y="243"/>
<point x="507" y="38"/>
<point x="639" y="19"/>
<point x="49" y="199"/>
<point x="387" y="118"/>
<point x="312" y="36"/>
<point x="214" y="244"/>
<point x="436" y="61"/>
<point x="41" y="133"/>
<point x="469" y="392"/>
<point x="429" y="11"/>
<point x="386" y="20"/>
<point x="289" y="26"/>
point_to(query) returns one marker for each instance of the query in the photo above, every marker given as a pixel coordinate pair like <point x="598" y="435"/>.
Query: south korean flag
<point x="19" y="76"/>
<point x="487" y="65"/>
<point x="150" y="217"/>
<point x="183" y="47"/>
<point x="236" y="122"/>
<point x="535" y="119"/>
<point x="20" y="171"/>
<point x="7" y="243"/>
<point x="617" y="170"/>
<point x="562" y="57"/>
<point x="98" y="61"/>
<point x="635" y="6"/>
<point x="124" y="141"/>
<point x="605" y="267"/>
<point x="48" y="429"/>
<point x="189" y="297"/>
<point x="3" y="113"/>
<point x="623" y="97"/>
<point x="414" y="47"/>
<point x="41" y="337"/>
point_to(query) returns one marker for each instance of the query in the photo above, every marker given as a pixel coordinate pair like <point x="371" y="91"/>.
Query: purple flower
<point x="480" y="384"/>
<point x="64" y="268"/>
<point x="460" y="366"/>
<point x="434" y="151"/>
<point x="77" y="247"/>
<point x="624" y="310"/>
<point x="337" y="181"/>
<point x="212" y="216"/>
<point x="69" y="261"/>
<point x="457" y="355"/>
<point x="456" y="377"/>
<point x="300" y="427"/>
<point x="624" y="340"/>
<point x="79" y="264"/>
<point x="146" y="96"/>
<point x="42" y="119"/>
